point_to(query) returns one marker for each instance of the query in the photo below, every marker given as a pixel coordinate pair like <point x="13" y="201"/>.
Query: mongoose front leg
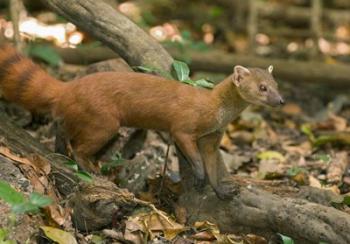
<point x="188" y="147"/>
<point x="219" y="177"/>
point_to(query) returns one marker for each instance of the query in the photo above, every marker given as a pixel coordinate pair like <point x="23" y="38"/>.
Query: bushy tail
<point x="25" y="83"/>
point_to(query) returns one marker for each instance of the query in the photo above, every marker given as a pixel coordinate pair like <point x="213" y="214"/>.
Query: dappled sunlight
<point x="62" y="34"/>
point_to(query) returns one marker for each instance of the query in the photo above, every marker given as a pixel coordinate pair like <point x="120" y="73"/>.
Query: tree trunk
<point x="115" y="30"/>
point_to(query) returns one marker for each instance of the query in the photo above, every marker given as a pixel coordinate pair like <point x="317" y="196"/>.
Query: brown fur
<point x="94" y="107"/>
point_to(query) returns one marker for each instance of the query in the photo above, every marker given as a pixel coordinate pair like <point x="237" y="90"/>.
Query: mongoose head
<point x="257" y="86"/>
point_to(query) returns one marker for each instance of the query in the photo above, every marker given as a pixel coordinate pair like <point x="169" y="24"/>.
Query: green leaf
<point x="152" y="70"/>
<point x="216" y="11"/>
<point x="204" y="83"/>
<point x="9" y="195"/>
<point x="115" y="161"/>
<point x="72" y="165"/>
<point x="95" y="239"/>
<point x="346" y="200"/>
<point x="58" y="236"/>
<point x="286" y="239"/>
<point x="44" y="53"/>
<point x="271" y="155"/>
<point x="181" y="70"/>
<point x="186" y="35"/>
<point x="26" y="207"/>
<point x="145" y="69"/>
<point x="306" y="129"/>
<point x="84" y="176"/>
<point x="188" y="82"/>
<point x="3" y="237"/>
<point x="323" y="157"/>
<point x="3" y="234"/>
<point x="294" y="171"/>
<point x="39" y="200"/>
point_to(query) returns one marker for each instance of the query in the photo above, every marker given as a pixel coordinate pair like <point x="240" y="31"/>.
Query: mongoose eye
<point x="263" y="88"/>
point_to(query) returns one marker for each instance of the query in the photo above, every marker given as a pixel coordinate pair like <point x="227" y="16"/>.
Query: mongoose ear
<point x="239" y="72"/>
<point x="270" y="68"/>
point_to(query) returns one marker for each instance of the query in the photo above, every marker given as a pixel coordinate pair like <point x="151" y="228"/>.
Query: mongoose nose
<point x="282" y="101"/>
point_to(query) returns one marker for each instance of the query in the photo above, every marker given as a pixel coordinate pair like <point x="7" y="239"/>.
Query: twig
<point x="16" y="8"/>
<point x="164" y="170"/>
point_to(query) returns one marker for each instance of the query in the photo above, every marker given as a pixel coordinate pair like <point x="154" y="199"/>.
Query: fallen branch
<point x="333" y="75"/>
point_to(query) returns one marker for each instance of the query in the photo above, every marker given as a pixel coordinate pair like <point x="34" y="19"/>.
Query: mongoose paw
<point x="226" y="190"/>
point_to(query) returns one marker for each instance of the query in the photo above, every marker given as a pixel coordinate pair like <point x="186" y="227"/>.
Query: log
<point x="85" y="55"/>
<point x="333" y="75"/>
<point x="300" y="72"/>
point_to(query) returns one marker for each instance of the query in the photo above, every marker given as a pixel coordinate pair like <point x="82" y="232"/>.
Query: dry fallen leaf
<point x="41" y="163"/>
<point x="339" y="123"/>
<point x="270" y="169"/>
<point x="7" y="153"/>
<point x="303" y="149"/>
<point x="301" y="178"/>
<point x="314" y="182"/>
<point x="208" y="230"/>
<point x="153" y="224"/>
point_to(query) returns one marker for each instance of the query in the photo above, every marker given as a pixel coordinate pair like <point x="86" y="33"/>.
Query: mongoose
<point x="93" y="107"/>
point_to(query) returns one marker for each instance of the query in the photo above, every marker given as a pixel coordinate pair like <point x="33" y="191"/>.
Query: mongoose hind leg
<point x="90" y="140"/>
